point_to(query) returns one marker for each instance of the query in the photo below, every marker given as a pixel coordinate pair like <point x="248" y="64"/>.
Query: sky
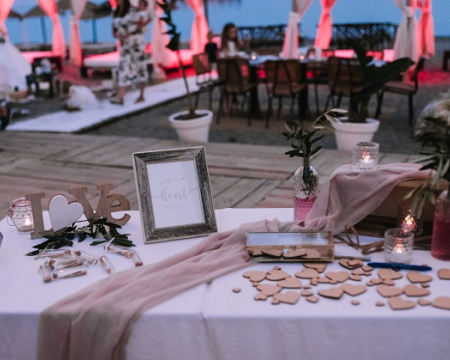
<point x="242" y="13"/>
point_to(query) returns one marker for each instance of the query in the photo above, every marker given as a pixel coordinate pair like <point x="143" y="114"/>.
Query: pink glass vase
<point x="305" y="190"/>
<point x="440" y="243"/>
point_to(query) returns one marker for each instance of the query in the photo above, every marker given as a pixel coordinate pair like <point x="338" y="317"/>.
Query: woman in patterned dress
<point x="133" y="60"/>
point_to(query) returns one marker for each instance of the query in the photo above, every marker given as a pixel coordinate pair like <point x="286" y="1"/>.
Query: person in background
<point x="211" y="49"/>
<point x="143" y="17"/>
<point x="45" y="67"/>
<point x="77" y="97"/>
<point x="5" y="114"/>
<point x="231" y="45"/>
<point x="132" y="60"/>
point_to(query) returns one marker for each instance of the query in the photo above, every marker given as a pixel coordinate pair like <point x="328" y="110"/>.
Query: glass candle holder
<point x="365" y="156"/>
<point x="398" y="246"/>
<point x="21" y="214"/>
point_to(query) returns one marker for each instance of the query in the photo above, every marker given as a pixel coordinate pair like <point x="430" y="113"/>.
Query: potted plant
<point x="191" y="124"/>
<point x="358" y="122"/>
<point x="306" y="179"/>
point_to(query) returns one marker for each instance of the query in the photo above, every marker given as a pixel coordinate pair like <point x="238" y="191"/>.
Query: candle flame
<point x="398" y="248"/>
<point x="366" y="156"/>
<point x="409" y="224"/>
<point x="27" y="221"/>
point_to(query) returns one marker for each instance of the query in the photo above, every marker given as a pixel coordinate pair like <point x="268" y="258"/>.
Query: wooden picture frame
<point x="174" y="194"/>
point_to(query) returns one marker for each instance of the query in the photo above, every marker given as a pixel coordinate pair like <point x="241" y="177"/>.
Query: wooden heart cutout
<point x="388" y="282"/>
<point x="323" y="280"/>
<point x="320" y="267"/>
<point x="414" y="290"/>
<point x="424" y="302"/>
<point x="312" y="299"/>
<point x="294" y="253"/>
<point x="358" y="272"/>
<point x="255" y="276"/>
<point x="306" y="293"/>
<point x="397" y="303"/>
<point x="353" y="290"/>
<point x="276" y="275"/>
<point x="442" y="302"/>
<point x="260" y="296"/>
<point x="62" y="213"/>
<point x="272" y="252"/>
<point x="350" y="264"/>
<point x="367" y="268"/>
<point x="444" y="274"/>
<point x="332" y="293"/>
<point x="387" y="274"/>
<point x="355" y="277"/>
<point x="307" y="274"/>
<point x="312" y="254"/>
<point x="289" y="297"/>
<point x="340" y="276"/>
<point x="389" y="291"/>
<point x="417" y="277"/>
<point x="268" y="290"/>
<point x="255" y="252"/>
<point x="290" y="283"/>
<point x="355" y="302"/>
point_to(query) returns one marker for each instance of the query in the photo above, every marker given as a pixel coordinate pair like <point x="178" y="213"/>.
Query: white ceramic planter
<point x="349" y="133"/>
<point x="195" y="129"/>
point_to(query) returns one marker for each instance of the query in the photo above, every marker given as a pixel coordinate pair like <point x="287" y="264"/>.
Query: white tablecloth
<point x="212" y="322"/>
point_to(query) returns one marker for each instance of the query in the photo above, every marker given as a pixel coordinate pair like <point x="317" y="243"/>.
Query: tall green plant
<point x="174" y="45"/>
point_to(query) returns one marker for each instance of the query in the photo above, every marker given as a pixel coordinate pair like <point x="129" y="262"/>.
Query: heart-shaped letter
<point x="62" y="213"/>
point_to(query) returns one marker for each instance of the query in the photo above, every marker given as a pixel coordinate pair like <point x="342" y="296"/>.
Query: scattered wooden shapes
<point x="425" y="285"/>
<point x="367" y="268"/>
<point x="353" y="290"/>
<point x="290" y="283"/>
<point x="236" y="290"/>
<point x="358" y="272"/>
<point x="333" y="282"/>
<point x="388" y="282"/>
<point x="417" y="277"/>
<point x="255" y="252"/>
<point x="276" y="253"/>
<point x="275" y="302"/>
<point x="331" y="293"/>
<point x="312" y="299"/>
<point x="312" y="254"/>
<point x="306" y="293"/>
<point x="367" y="273"/>
<point x="290" y="297"/>
<point x="320" y="267"/>
<point x="412" y="290"/>
<point x="255" y="276"/>
<point x="355" y="277"/>
<point x="424" y="302"/>
<point x="313" y="282"/>
<point x="307" y="287"/>
<point x="374" y="281"/>
<point x="255" y="284"/>
<point x="269" y="290"/>
<point x="340" y="276"/>
<point x="444" y="274"/>
<point x="397" y="303"/>
<point x="355" y="302"/>
<point x="323" y="280"/>
<point x="290" y="254"/>
<point x="276" y="267"/>
<point x="276" y="275"/>
<point x="442" y="302"/>
<point x="260" y="296"/>
<point x="387" y="274"/>
<point x="389" y="291"/>
<point x="379" y="303"/>
<point x="350" y="264"/>
<point x="307" y="274"/>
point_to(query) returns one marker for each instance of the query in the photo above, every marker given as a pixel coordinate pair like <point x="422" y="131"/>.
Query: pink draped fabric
<point x="405" y="44"/>
<point x="77" y="7"/>
<point x="5" y="8"/>
<point x="290" y="43"/>
<point x="199" y="27"/>
<point x="159" y="39"/>
<point x="58" y="43"/>
<point x="113" y="3"/>
<point x="425" y="31"/>
<point x="325" y="27"/>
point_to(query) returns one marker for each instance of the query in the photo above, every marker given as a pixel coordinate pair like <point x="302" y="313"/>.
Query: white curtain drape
<point x="5" y="8"/>
<point x="199" y="27"/>
<point x="425" y="30"/>
<point x="58" y="43"/>
<point x="405" y="44"/>
<point x="325" y="27"/>
<point x="290" y="44"/>
<point x="77" y="8"/>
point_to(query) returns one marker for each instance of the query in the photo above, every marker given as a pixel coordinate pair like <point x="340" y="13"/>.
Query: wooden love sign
<point x="106" y="205"/>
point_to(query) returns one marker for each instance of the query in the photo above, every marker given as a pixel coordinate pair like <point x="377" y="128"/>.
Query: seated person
<point x="77" y="97"/>
<point x="231" y="45"/>
<point x="211" y="49"/>
<point x="45" y="67"/>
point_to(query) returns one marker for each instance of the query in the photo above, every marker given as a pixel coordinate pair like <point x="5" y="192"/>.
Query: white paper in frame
<point x="174" y="194"/>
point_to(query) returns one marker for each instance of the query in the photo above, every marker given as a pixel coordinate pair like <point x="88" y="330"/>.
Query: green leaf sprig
<point x="302" y="140"/>
<point x="100" y="228"/>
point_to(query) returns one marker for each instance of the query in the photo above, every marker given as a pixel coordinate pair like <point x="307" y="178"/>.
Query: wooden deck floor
<point x="242" y="176"/>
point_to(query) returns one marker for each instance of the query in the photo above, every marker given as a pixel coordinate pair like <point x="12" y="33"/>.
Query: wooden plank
<point x="257" y="195"/>
<point x="234" y="195"/>
<point x="219" y="184"/>
<point x="224" y="171"/>
<point x="387" y="158"/>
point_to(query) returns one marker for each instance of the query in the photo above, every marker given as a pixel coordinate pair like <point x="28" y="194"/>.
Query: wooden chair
<point x="234" y="79"/>
<point x="344" y="79"/>
<point x="203" y="77"/>
<point x="283" y="79"/>
<point x="403" y="88"/>
<point x="51" y="78"/>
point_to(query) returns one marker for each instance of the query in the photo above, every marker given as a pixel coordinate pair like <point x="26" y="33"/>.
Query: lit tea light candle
<point x="366" y="162"/>
<point x="399" y="249"/>
<point x="398" y="246"/>
<point x="365" y="156"/>
<point x="409" y="224"/>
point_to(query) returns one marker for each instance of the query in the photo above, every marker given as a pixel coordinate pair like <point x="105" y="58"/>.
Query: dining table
<point x="211" y="321"/>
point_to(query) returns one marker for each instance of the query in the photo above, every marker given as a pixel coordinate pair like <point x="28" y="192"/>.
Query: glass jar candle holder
<point x="21" y="215"/>
<point x="365" y="156"/>
<point x="398" y="246"/>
